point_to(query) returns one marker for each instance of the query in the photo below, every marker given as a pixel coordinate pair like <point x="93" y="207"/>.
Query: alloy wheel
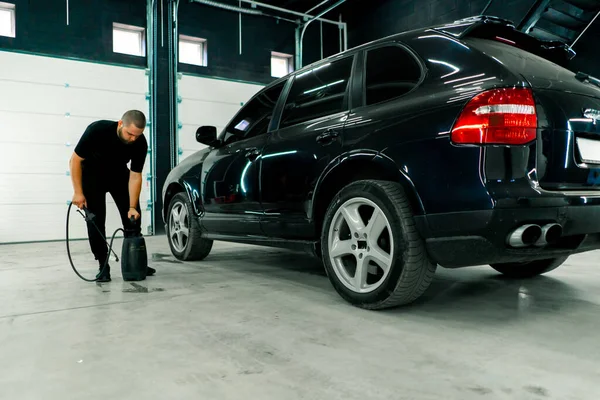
<point x="361" y="245"/>
<point x="179" y="228"/>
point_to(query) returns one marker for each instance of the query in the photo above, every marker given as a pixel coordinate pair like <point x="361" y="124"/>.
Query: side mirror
<point x="207" y="135"/>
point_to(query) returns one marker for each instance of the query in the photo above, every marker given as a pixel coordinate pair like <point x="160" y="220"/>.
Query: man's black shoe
<point x="103" y="276"/>
<point x="150" y="271"/>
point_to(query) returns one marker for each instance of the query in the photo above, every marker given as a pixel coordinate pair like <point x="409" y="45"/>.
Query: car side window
<point x="391" y="73"/>
<point x="318" y="93"/>
<point x="254" y="118"/>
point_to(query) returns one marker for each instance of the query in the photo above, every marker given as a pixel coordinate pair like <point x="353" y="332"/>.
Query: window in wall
<point x="391" y="73"/>
<point x="318" y="92"/>
<point x="129" y="39"/>
<point x="7" y="20"/>
<point x="192" y="50"/>
<point x="281" y="64"/>
<point x="255" y="117"/>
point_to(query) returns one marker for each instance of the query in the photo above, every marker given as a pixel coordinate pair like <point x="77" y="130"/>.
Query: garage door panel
<point x="207" y="101"/>
<point x="44" y="189"/>
<point x="40" y="128"/>
<point x="187" y="138"/>
<point x="17" y="127"/>
<point x="29" y="97"/>
<point x="39" y="158"/>
<point x="24" y="223"/>
<point x="37" y="189"/>
<point x="200" y="113"/>
<point x="26" y="68"/>
<point x="33" y="98"/>
<point x="89" y="102"/>
<point x="34" y="158"/>
<point x="209" y="89"/>
<point x="41" y="121"/>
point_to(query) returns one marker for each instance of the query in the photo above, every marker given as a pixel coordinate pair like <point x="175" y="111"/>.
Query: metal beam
<point x="317" y="6"/>
<point x="533" y="15"/>
<point x="300" y="38"/>
<point x="240" y="9"/>
<point x="299" y="14"/>
<point x="486" y="8"/>
<point x="228" y="7"/>
<point x="345" y="36"/>
<point x="584" y="30"/>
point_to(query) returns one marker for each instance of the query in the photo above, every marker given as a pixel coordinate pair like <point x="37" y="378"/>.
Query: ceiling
<point x="299" y="6"/>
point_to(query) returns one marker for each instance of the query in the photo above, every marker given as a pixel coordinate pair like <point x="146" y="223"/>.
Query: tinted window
<point x="254" y="118"/>
<point x="520" y="60"/>
<point x="391" y="72"/>
<point x="318" y="92"/>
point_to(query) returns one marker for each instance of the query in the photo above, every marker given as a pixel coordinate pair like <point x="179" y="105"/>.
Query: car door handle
<point x="328" y="136"/>
<point x="252" y="154"/>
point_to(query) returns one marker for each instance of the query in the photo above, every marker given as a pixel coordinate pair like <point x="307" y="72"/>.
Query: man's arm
<point x="75" y="169"/>
<point x="135" y="188"/>
<point x="135" y="178"/>
<point x="83" y="150"/>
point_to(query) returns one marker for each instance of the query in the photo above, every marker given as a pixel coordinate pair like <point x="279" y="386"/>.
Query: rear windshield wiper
<point x="583" y="77"/>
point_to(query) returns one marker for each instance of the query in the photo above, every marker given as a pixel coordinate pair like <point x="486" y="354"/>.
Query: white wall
<point x="207" y="101"/>
<point x="45" y="106"/>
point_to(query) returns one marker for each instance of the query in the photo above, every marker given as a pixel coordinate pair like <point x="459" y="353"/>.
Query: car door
<point x="230" y="173"/>
<point x="385" y="97"/>
<point x="308" y="138"/>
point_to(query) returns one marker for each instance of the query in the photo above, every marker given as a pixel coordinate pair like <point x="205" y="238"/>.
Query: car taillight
<point x="498" y="116"/>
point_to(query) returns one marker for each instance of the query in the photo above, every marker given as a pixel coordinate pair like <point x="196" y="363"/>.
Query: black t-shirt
<point x="102" y="149"/>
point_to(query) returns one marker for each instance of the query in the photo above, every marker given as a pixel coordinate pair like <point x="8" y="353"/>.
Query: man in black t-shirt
<point x="99" y="166"/>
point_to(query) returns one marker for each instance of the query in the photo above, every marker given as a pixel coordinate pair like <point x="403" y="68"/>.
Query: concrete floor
<point x="259" y="323"/>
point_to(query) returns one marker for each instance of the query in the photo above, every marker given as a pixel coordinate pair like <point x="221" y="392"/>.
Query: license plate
<point x="589" y="150"/>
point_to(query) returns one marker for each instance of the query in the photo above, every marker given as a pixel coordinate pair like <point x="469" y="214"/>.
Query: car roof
<point x="449" y="28"/>
<point x="457" y="29"/>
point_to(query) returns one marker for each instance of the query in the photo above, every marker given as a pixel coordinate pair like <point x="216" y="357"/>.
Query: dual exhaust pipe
<point x="535" y="235"/>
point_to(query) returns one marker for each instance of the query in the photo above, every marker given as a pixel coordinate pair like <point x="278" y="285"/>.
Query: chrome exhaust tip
<point x="550" y="234"/>
<point x="525" y="236"/>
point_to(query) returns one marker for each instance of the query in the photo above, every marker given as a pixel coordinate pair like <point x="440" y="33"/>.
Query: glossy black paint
<point x="207" y="135"/>
<point x="230" y="188"/>
<point x="293" y="160"/>
<point x="274" y="188"/>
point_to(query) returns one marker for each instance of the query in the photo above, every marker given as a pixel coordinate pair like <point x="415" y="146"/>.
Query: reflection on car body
<point x="459" y="145"/>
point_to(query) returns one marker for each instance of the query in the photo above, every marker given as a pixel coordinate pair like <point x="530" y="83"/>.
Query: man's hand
<point x="133" y="213"/>
<point x="79" y="200"/>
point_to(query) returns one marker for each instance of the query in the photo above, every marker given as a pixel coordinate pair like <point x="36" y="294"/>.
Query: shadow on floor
<point x="273" y="261"/>
<point x="470" y="294"/>
<point x="493" y="298"/>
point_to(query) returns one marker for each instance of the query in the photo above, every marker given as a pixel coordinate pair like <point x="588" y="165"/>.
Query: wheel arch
<point x="174" y="188"/>
<point x="358" y="165"/>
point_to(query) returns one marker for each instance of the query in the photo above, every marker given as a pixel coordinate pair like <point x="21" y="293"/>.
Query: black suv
<point x="457" y="145"/>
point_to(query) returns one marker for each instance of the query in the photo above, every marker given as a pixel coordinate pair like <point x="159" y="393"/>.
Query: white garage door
<point x="45" y="106"/>
<point x="207" y="101"/>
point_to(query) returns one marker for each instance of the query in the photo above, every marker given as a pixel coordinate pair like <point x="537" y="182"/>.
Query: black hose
<point x="109" y="247"/>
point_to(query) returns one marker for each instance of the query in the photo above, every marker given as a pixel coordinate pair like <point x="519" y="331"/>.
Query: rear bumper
<point x="473" y="238"/>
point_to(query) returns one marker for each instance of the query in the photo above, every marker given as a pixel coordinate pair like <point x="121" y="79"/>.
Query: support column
<point x="163" y="73"/>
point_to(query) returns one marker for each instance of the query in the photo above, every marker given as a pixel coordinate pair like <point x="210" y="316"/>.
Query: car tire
<point x="185" y="238"/>
<point x="529" y="269"/>
<point x="389" y="249"/>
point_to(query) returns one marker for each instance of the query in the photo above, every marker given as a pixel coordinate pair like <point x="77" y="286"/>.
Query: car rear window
<point x="557" y="52"/>
<point x="520" y="60"/>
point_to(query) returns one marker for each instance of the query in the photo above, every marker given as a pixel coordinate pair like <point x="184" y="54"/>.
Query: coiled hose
<point x="90" y="217"/>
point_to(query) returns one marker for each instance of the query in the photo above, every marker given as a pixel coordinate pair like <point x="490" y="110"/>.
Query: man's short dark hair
<point x="134" y="117"/>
